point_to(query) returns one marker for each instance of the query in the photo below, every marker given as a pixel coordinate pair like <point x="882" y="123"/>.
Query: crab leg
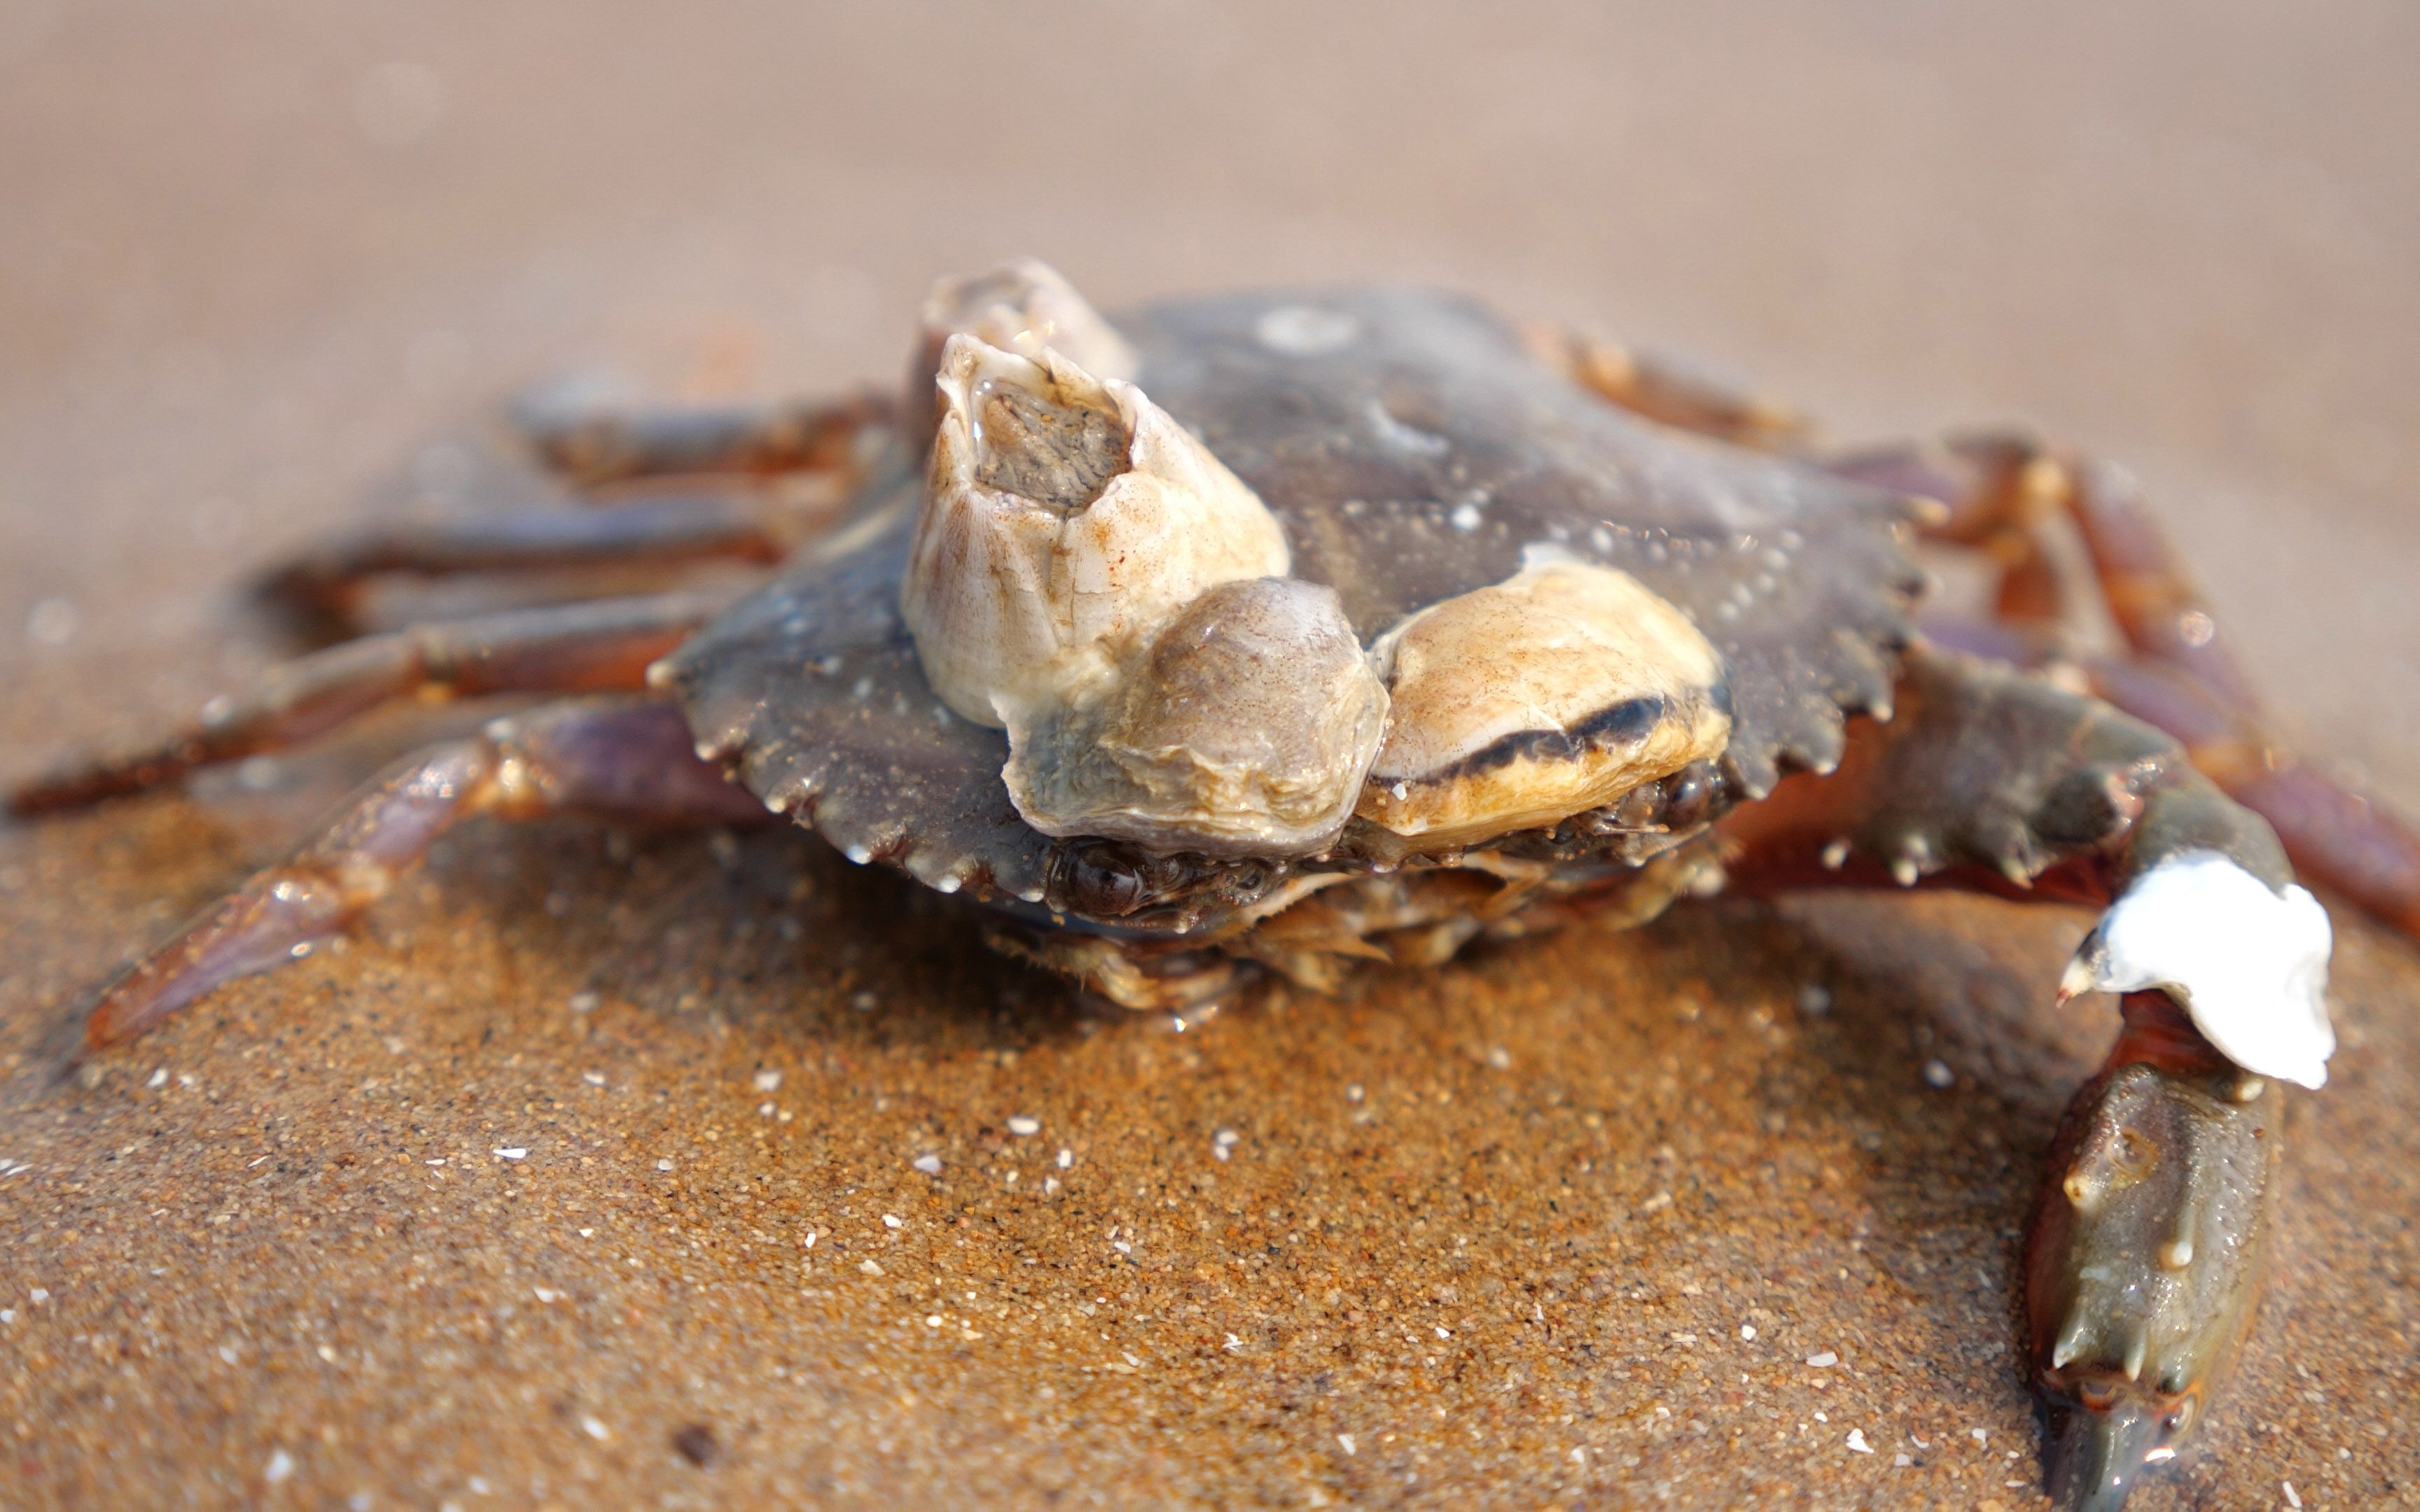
<point x="592" y="444"/>
<point x="2181" y="677"/>
<point x="1670" y="393"/>
<point x="571" y="648"/>
<point x="326" y="584"/>
<point x="2142" y="1267"/>
<point x="622" y="758"/>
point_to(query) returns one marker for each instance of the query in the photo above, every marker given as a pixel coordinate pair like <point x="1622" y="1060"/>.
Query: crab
<point x="1260" y="635"/>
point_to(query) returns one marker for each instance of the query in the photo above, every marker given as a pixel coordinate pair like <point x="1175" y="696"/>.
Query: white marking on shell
<point x="1395" y="433"/>
<point x="1305" y="330"/>
<point x="2249" y="964"/>
<point x="1466" y="516"/>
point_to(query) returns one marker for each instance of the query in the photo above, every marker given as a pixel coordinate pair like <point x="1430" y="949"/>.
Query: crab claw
<point x="2142" y="1273"/>
<point x="2098" y="1457"/>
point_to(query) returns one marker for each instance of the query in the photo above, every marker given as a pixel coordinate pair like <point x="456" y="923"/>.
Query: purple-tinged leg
<point x="602" y="647"/>
<point x="325" y="584"/>
<point x="628" y="759"/>
<point x="2180" y="675"/>
<point x="1667" y="392"/>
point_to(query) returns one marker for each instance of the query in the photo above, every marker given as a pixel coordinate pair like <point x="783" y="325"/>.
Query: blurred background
<point x="254" y="253"/>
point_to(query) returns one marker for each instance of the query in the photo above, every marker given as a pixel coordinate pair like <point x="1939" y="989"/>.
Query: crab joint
<point x="2248" y="960"/>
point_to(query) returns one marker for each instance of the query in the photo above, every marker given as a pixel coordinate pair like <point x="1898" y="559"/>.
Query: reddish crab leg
<point x="594" y="444"/>
<point x="2142" y="1264"/>
<point x="626" y="759"/>
<point x="572" y="648"/>
<point x="326" y="582"/>
<point x="1667" y="392"/>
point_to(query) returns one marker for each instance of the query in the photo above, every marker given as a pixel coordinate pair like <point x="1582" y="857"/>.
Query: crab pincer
<point x="2143" y="1272"/>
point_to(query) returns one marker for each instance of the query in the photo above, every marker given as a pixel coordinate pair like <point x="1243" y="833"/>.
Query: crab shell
<point x="1449" y="490"/>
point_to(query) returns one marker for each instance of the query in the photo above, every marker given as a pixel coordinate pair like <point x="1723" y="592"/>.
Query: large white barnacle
<point x="1521" y="704"/>
<point x="1088" y="576"/>
<point x="1066" y="519"/>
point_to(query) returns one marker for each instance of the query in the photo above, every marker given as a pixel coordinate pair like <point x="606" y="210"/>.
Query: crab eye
<point x="1098" y="881"/>
<point x="1688" y="794"/>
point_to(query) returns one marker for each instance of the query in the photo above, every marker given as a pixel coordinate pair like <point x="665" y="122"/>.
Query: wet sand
<point x="588" y="1173"/>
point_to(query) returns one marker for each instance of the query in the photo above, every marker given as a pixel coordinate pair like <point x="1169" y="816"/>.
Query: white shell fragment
<point x="1028" y="308"/>
<point x="1524" y="702"/>
<point x="1066" y="519"/>
<point x="2249" y="964"/>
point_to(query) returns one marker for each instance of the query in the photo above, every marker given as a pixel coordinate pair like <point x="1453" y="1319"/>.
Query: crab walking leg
<point x="1670" y="393"/>
<point x="599" y="646"/>
<point x="327" y="580"/>
<point x="592" y="444"/>
<point x="2142" y="1265"/>
<point x="627" y="759"/>
<point x="2002" y="488"/>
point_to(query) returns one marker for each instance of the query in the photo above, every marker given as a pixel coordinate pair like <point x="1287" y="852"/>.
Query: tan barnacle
<point x="1066" y="519"/>
<point x="1023" y="306"/>
<point x="1245" y="728"/>
<point x="1521" y="704"/>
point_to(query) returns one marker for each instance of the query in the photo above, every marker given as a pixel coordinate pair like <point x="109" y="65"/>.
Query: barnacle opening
<point x="1024" y="306"/>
